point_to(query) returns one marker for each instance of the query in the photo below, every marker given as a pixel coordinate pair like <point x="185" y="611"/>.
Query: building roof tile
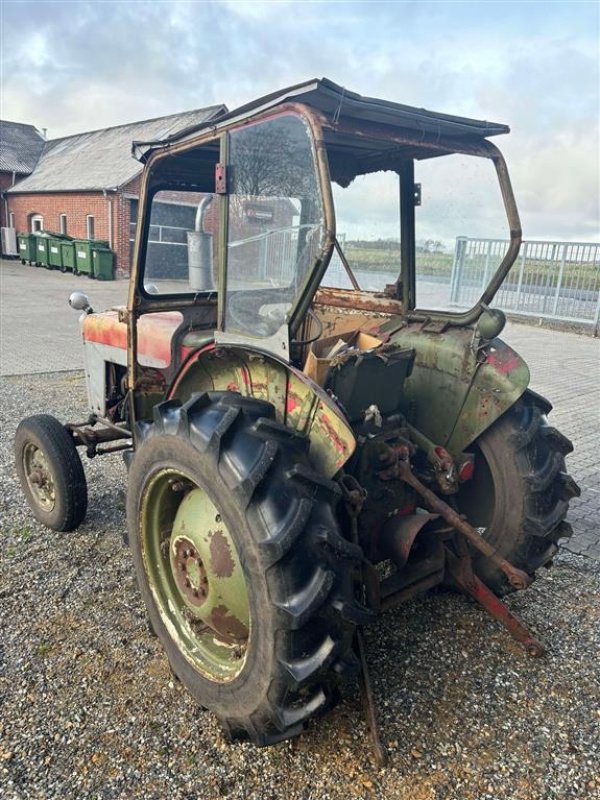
<point x="102" y="159"/>
<point x="20" y="147"/>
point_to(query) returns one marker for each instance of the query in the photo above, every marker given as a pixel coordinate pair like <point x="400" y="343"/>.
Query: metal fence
<point x="556" y="280"/>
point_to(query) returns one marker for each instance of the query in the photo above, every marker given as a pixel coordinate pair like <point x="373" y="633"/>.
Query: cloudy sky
<point x="75" y="66"/>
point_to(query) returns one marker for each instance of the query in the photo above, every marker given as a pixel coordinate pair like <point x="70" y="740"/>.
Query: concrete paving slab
<point x="39" y="332"/>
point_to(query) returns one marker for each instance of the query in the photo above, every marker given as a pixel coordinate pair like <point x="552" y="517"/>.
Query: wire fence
<point x="554" y="280"/>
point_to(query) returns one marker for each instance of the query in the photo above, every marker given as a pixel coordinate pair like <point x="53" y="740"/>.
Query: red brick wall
<point x="77" y="206"/>
<point x="122" y="222"/>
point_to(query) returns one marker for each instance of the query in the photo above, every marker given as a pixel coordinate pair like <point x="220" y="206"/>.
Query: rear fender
<point x="299" y="403"/>
<point x="458" y="387"/>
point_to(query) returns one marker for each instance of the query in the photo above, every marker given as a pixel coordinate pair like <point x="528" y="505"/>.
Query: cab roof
<point x="339" y="106"/>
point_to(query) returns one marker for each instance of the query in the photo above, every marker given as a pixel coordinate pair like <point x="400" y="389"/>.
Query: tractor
<point x="307" y="447"/>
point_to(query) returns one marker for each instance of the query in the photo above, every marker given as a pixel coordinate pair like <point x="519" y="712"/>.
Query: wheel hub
<point x="39" y="477"/>
<point x="190" y="573"/>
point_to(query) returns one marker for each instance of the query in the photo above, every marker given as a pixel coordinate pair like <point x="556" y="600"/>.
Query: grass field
<point x="385" y="257"/>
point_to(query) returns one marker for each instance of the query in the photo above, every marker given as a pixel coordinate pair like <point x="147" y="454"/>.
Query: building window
<point x="90" y="227"/>
<point x="37" y="223"/>
<point x="11" y="220"/>
<point x="63" y="224"/>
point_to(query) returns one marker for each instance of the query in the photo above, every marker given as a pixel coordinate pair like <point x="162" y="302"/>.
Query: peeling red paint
<point x="245" y="377"/>
<point x="155" y="332"/>
<point x="504" y="365"/>
<point x="291" y="404"/>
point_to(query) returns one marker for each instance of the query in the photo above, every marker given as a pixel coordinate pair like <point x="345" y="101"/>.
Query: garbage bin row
<point x="91" y="257"/>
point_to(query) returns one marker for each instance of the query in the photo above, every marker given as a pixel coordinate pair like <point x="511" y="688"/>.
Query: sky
<point x="76" y="66"/>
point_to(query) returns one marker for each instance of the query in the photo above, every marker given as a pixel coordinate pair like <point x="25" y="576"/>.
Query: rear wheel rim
<point x="195" y="575"/>
<point x="39" y="477"/>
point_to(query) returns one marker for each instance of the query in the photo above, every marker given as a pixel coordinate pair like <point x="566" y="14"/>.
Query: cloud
<point x="74" y="66"/>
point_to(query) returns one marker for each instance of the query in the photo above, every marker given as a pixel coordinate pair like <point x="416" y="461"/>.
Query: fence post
<point x="486" y="267"/>
<point x="457" y="267"/>
<point x="560" y="278"/>
<point x="520" y="281"/>
<point x="597" y="317"/>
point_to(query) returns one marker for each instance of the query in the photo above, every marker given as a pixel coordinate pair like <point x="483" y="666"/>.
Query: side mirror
<point x="80" y="302"/>
<point x="491" y="323"/>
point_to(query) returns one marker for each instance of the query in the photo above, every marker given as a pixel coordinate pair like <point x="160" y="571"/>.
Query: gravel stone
<point x="90" y="709"/>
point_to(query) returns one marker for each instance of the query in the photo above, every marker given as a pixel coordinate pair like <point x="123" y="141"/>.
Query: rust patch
<point x="220" y="555"/>
<point x="361" y="301"/>
<point x="226" y="625"/>
<point x="338" y="444"/>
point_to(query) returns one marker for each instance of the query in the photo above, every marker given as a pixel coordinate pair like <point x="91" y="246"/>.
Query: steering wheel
<point x="245" y="311"/>
<point x="318" y="334"/>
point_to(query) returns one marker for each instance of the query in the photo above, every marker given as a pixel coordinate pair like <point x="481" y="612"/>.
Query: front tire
<point x="221" y="469"/>
<point x="51" y="472"/>
<point x="520" y="491"/>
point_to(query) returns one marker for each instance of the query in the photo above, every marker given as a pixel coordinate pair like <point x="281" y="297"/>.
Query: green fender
<point x="299" y="402"/>
<point x="459" y="385"/>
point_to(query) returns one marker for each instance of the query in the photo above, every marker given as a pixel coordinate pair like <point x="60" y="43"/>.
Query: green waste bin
<point x="67" y="253"/>
<point x="41" y="249"/>
<point x="55" y="258"/>
<point x="27" y="252"/>
<point x="102" y="262"/>
<point x="83" y="257"/>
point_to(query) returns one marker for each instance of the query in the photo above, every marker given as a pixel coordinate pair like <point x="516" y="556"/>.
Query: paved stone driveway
<point x="39" y="332"/>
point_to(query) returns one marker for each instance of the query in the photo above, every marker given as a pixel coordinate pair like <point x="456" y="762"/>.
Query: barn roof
<point x="20" y="147"/>
<point x="101" y="159"/>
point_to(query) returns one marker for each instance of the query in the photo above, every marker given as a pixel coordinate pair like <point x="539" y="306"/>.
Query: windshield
<point x="275" y="222"/>
<point x="460" y="216"/>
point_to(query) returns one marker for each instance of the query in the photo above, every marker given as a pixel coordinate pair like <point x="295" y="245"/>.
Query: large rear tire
<point x="520" y="491"/>
<point x="240" y="562"/>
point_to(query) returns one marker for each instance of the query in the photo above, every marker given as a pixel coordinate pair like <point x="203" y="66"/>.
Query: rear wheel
<point x="51" y="472"/>
<point x="520" y="491"/>
<point x="245" y="576"/>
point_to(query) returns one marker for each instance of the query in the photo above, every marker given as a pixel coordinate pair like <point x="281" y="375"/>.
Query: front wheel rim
<point x="195" y="575"/>
<point x="39" y="477"/>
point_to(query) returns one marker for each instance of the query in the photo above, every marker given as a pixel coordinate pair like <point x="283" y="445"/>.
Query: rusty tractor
<point x="306" y="448"/>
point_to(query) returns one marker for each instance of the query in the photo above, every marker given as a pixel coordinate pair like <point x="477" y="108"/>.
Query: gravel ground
<point x="89" y="708"/>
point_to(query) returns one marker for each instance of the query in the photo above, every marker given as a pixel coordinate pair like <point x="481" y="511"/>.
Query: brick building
<point x="86" y="185"/>
<point x="20" y="148"/>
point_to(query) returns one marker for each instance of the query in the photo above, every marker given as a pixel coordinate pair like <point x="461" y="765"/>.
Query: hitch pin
<point x="517" y="578"/>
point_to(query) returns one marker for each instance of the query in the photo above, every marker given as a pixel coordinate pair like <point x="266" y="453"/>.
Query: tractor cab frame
<point x="288" y="148"/>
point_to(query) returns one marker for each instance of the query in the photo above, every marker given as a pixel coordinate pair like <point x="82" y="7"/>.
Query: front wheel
<point x="51" y="472"/>
<point x="240" y="562"/>
<point x="519" y="495"/>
